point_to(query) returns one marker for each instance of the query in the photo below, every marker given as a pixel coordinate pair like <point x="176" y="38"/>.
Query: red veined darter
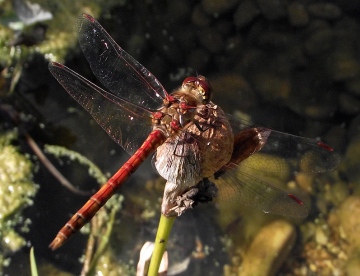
<point x="195" y="144"/>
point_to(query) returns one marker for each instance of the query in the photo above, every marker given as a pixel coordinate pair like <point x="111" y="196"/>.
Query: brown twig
<point x="52" y="169"/>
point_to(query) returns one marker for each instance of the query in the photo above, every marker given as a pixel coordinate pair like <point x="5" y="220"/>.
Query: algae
<point x="16" y="192"/>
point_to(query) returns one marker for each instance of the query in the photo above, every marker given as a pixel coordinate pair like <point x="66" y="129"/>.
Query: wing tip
<point x="325" y="146"/>
<point x="88" y="17"/>
<point x="56" y="64"/>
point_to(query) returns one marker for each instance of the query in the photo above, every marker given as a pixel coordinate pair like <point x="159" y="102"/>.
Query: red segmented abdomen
<point x="155" y="139"/>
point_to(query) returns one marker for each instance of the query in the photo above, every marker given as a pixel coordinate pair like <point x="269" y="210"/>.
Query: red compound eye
<point x="202" y="85"/>
<point x="190" y="79"/>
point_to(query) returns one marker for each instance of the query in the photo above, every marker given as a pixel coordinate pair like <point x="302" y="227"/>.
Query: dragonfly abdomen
<point x="98" y="200"/>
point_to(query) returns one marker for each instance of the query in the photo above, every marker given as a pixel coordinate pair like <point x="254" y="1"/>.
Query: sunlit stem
<point x="34" y="271"/>
<point x="161" y="240"/>
<point x="103" y="243"/>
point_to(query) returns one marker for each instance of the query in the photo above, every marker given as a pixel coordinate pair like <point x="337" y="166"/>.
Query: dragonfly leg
<point x="171" y="192"/>
<point x="203" y="192"/>
<point x="185" y="201"/>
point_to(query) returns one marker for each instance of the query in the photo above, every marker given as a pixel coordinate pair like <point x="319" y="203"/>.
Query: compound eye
<point x="189" y="80"/>
<point x="201" y="85"/>
<point x="205" y="87"/>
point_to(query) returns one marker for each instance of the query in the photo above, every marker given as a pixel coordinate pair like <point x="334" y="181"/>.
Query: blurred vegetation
<point x="16" y="192"/>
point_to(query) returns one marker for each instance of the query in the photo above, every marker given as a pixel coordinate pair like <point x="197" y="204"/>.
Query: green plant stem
<point x="103" y="242"/>
<point x="160" y="243"/>
<point x="33" y="266"/>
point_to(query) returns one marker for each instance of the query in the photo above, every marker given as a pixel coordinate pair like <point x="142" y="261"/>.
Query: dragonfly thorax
<point x="180" y="107"/>
<point x="177" y="113"/>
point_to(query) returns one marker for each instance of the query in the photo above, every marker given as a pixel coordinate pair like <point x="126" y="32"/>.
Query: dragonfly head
<point x="200" y="87"/>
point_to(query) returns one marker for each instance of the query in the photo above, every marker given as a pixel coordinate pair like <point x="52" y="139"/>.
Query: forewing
<point x="303" y="154"/>
<point x="126" y="123"/>
<point x="308" y="155"/>
<point x="117" y="70"/>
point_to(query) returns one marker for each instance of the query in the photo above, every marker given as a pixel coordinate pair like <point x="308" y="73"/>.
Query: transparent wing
<point x="236" y="185"/>
<point x="303" y="154"/>
<point x="126" y="123"/>
<point x="117" y="70"/>
<point x="307" y="155"/>
<point x="260" y="158"/>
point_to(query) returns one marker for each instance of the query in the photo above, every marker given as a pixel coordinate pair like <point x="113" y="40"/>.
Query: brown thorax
<point x="181" y="106"/>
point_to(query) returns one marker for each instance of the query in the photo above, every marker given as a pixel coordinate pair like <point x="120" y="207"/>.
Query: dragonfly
<point x="195" y="145"/>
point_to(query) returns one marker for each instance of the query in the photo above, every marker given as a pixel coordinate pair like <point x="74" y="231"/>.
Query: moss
<point x="94" y="170"/>
<point x="16" y="191"/>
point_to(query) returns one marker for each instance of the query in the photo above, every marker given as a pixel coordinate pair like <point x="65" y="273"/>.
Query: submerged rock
<point x="269" y="249"/>
<point x="325" y="10"/>
<point x="298" y="15"/>
<point x="349" y="214"/>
